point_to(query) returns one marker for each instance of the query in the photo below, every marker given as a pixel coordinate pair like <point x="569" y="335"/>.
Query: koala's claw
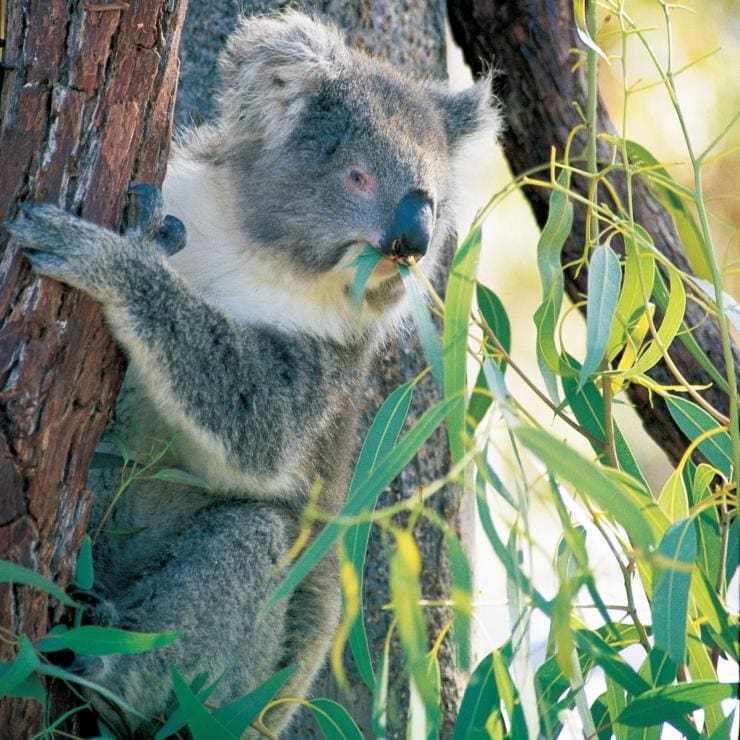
<point x="145" y="210"/>
<point x="145" y="213"/>
<point x="50" y="238"/>
<point x="171" y="237"/>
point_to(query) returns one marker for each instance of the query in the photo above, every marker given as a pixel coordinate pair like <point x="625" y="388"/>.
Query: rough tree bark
<point x="530" y="42"/>
<point x="85" y="109"/>
<point x="411" y="34"/>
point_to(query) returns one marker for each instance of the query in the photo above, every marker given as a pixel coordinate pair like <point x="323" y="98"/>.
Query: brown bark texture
<point x="530" y="43"/>
<point x="85" y="109"/>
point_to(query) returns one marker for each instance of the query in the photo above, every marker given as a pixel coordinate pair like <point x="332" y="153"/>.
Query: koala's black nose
<point x="411" y="227"/>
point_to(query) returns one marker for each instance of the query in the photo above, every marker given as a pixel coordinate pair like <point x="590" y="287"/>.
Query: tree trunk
<point x="412" y="36"/>
<point x="85" y="108"/>
<point x="530" y="42"/>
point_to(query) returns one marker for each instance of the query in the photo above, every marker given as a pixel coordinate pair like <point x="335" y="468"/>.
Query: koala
<point x="245" y="349"/>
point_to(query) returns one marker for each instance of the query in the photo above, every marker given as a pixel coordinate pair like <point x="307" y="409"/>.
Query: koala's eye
<point x="359" y="180"/>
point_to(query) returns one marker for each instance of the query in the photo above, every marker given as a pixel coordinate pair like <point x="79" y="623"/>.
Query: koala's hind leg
<point x="209" y="584"/>
<point x="312" y="619"/>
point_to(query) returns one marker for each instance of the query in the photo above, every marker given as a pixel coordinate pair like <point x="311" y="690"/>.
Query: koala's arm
<point x="244" y="393"/>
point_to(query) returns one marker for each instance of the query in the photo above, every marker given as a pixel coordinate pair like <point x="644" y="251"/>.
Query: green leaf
<point x="733" y="551"/>
<point x="425" y="328"/>
<point x="365" y="264"/>
<point x="686" y="336"/>
<point x="105" y="460"/>
<point x="666" y="188"/>
<point x="93" y="640"/>
<point x="201" y="723"/>
<point x="12" y="573"/>
<point x="693" y="421"/>
<point x="363" y="499"/>
<point x="579" y="15"/>
<point x="554" y="234"/>
<point x="405" y="570"/>
<point x="30" y="687"/>
<point x="510" y="697"/>
<point x="673" y="499"/>
<point x="480" y="700"/>
<point x="12" y="675"/>
<point x="604" y="281"/>
<point x="671" y="703"/>
<point x="639" y="276"/>
<point x="334" y="720"/>
<point x="494" y="315"/>
<point x="724" y="729"/>
<point x="380" y="693"/>
<point x="462" y="599"/>
<point x="378" y="443"/>
<point x="176" y="721"/>
<point x="702" y="669"/>
<point x="172" y="475"/>
<point x="512" y="567"/>
<point x="427" y="714"/>
<point x="590" y="481"/>
<point x="51" y="670"/>
<point x="237" y="715"/>
<point x="458" y="302"/>
<point x="610" y="661"/>
<point x="587" y="404"/>
<point x="84" y="574"/>
<point x="616" y="702"/>
<point x="668" y="329"/>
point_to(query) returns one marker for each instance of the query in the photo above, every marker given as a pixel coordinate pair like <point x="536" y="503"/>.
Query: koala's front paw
<point x="66" y="248"/>
<point x="145" y="213"/>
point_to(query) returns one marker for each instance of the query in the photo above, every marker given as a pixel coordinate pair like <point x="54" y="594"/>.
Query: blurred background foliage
<point x="705" y="41"/>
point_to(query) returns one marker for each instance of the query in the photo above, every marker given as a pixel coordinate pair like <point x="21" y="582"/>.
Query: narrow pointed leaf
<point x="458" y="303"/>
<point x="201" y="723"/>
<point x="363" y="499"/>
<point x="462" y="600"/>
<point x="671" y="590"/>
<point x="25" y="663"/>
<point x="12" y="573"/>
<point x="579" y="14"/>
<point x="237" y="715"/>
<point x="364" y="264"/>
<point x="378" y="443"/>
<point x="94" y="640"/>
<point x="693" y="421"/>
<point x="671" y="703"/>
<point x="84" y="575"/>
<point x="480" y="700"/>
<point x="425" y="329"/>
<point x="604" y="280"/>
<point x="590" y="481"/>
<point x="334" y="720"/>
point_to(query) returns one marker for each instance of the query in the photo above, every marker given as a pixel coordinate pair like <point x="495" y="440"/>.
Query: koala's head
<point x="330" y="149"/>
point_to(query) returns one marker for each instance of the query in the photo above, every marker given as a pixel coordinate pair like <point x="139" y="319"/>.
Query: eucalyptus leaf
<point x="604" y="281"/>
<point x="12" y="573"/>
<point x="94" y="640"/>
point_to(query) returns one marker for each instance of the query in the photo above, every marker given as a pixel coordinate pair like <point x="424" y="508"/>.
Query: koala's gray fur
<point x="246" y="349"/>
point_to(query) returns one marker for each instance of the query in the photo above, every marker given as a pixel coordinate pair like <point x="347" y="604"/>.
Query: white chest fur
<point x="248" y="283"/>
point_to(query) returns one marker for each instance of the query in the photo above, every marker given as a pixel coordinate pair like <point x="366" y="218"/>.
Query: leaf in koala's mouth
<point x="364" y="264"/>
<point x="428" y="336"/>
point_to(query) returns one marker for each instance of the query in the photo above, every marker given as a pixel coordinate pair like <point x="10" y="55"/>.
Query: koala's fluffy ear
<point x="268" y="67"/>
<point x="469" y="114"/>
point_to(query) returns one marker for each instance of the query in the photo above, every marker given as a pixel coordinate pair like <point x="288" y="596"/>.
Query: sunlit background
<point x="705" y="43"/>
